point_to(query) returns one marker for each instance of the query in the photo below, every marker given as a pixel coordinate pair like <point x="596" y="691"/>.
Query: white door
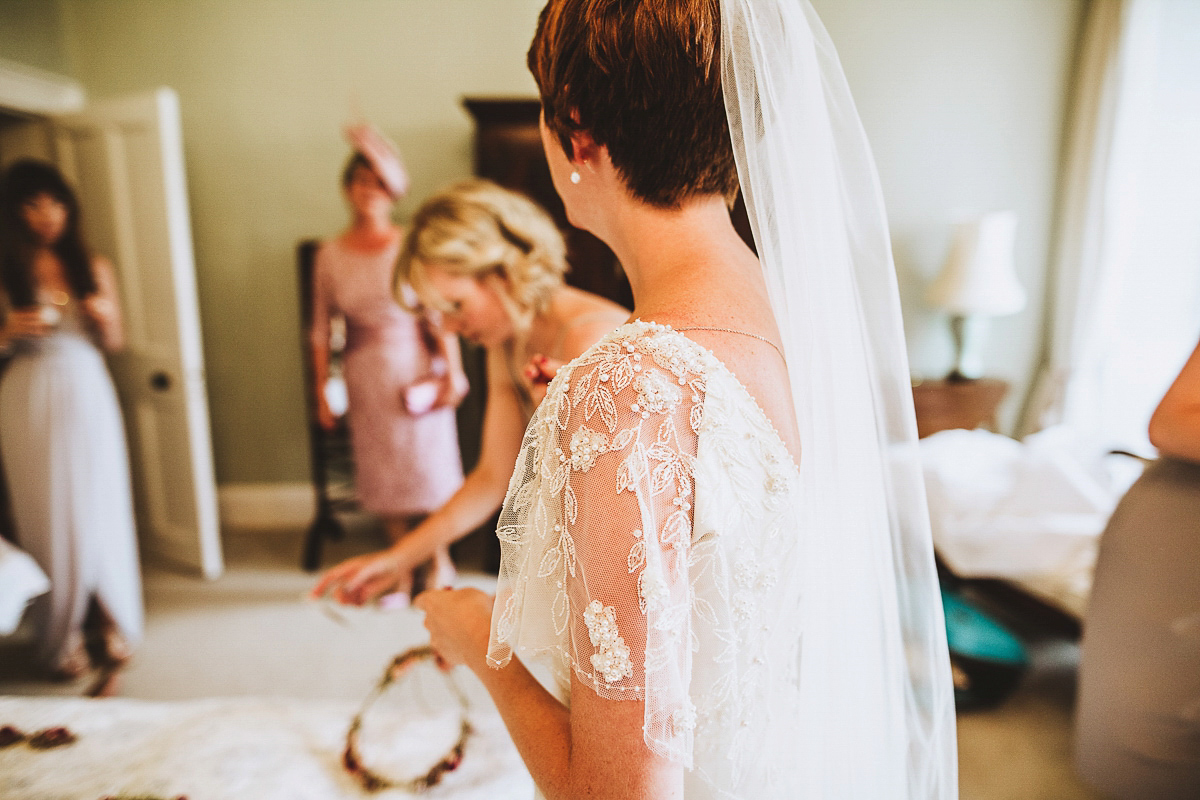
<point x="125" y="157"/>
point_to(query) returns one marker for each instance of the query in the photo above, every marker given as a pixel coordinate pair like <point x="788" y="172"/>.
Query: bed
<point x="1021" y="521"/>
<point x="212" y="749"/>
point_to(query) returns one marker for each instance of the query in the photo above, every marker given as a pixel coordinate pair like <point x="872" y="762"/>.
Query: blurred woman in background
<point x="1138" y="714"/>
<point x="403" y="374"/>
<point x="61" y="436"/>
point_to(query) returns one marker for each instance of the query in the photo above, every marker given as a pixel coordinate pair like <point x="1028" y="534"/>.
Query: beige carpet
<point x="250" y="633"/>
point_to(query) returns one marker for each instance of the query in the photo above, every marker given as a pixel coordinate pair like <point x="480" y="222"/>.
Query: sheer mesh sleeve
<point x="597" y="530"/>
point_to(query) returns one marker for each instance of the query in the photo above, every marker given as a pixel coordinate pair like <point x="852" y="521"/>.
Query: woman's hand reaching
<point x="364" y="579"/>
<point x="459" y="622"/>
<point x="444" y="391"/>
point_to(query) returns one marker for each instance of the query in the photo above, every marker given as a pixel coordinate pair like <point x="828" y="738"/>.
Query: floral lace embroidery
<point x="656" y="394"/>
<point x="653" y="594"/>
<point x="612" y="660"/>
<point x="683" y="720"/>
<point x="586" y="446"/>
<point x="705" y="586"/>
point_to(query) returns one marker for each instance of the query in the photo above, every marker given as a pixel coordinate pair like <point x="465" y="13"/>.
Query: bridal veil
<point x="876" y="694"/>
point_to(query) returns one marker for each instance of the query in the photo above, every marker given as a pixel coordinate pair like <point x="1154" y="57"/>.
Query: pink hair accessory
<point x="383" y="155"/>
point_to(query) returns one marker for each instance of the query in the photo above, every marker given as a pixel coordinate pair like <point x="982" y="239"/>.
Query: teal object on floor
<point x="986" y="658"/>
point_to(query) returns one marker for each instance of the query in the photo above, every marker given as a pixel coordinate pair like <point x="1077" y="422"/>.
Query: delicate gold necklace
<point x="731" y="330"/>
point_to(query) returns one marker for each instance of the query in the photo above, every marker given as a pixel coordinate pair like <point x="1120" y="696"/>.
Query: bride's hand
<point x="459" y="622"/>
<point x="358" y="581"/>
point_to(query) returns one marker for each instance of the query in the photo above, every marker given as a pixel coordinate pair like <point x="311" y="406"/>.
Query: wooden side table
<point x="945" y="404"/>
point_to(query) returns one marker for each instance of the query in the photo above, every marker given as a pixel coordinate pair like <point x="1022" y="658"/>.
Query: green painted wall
<point x="31" y="33"/>
<point x="265" y="87"/>
<point x="963" y="101"/>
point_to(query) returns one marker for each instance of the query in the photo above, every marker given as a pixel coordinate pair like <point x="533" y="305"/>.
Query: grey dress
<point x="63" y="447"/>
<point x="1138" y="713"/>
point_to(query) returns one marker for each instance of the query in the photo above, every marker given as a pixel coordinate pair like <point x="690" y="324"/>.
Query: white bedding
<point x="1030" y="512"/>
<point x="21" y="580"/>
<point x="211" y="749"/>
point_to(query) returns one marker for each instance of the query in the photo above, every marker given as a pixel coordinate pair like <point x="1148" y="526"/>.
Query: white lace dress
<point x="648" y="524"/>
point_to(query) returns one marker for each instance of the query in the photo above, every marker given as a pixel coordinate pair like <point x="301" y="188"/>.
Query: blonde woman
<point x="491" y="262"/>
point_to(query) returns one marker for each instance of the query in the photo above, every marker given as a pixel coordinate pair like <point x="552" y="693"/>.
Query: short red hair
<point x="642" y="77"/>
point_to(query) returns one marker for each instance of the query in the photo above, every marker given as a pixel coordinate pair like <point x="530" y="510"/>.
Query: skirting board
<point x="265" y="506"/>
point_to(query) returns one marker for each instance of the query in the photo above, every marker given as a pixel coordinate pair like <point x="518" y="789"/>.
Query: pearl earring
<point x="576" y="177"/>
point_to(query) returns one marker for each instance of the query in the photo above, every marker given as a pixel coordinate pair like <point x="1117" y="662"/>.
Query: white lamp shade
<point x="979" y="276"/>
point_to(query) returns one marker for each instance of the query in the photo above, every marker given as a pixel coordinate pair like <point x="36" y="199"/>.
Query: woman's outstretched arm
<point x="360" y="580"/>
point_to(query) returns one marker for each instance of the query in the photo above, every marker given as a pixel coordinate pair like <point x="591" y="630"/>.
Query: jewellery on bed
<point x="373" y="781"/>
<point x="42" y="740"/>
<point x="51" y="737"/>
<point x="341" y="613"/>
<point x="731" y="330"/>
<point x="328" y="608"/>
<point x="575" y="176"/>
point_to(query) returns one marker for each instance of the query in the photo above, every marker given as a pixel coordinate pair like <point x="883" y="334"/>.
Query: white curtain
<point x="1125" y="304"/>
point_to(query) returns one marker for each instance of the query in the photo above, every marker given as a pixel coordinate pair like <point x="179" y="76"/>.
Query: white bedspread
<point x="1030" y="512"/>
<point x="211" y="749"/>
<point x="21" y="580"/>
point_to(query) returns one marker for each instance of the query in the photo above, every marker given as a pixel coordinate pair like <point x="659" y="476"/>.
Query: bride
<point x="717" y="577"/>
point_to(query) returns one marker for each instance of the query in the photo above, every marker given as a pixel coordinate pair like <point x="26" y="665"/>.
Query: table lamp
<point x="977" y="282"/>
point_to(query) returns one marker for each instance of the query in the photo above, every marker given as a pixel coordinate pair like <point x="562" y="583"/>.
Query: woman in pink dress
<point x="403" y="376"/>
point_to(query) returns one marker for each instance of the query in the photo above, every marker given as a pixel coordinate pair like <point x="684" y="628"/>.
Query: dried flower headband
<point x="373" y="781"/>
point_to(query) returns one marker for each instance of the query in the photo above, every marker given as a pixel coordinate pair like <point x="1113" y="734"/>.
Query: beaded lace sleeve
<point x="596" y="532"/>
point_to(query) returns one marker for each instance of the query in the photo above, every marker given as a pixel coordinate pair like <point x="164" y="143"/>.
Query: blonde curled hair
<point x="476" y="228"/>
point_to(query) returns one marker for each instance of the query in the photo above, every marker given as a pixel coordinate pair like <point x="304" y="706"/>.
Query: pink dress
<point x="404" y="464"/>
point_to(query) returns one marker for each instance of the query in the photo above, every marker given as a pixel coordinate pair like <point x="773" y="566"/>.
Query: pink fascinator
<point x="383" y="155"/>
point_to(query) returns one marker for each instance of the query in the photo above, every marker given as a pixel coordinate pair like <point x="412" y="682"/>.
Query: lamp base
<point x="970" y="333"/>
